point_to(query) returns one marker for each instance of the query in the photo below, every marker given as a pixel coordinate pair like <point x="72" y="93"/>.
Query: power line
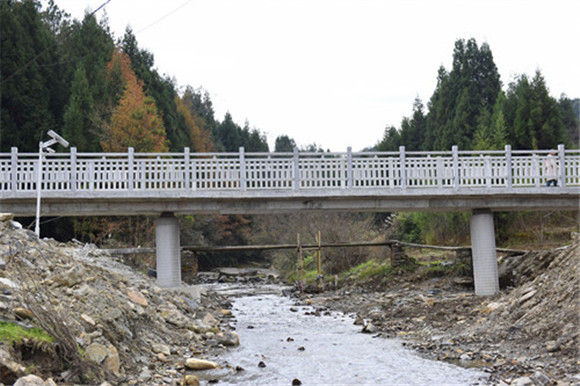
<point x="163" y="17"/>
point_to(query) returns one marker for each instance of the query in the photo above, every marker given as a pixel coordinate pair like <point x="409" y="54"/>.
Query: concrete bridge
<point x="166" y="184"/>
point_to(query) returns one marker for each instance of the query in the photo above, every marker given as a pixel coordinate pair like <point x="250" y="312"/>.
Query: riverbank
<point x="528" y="334"/>
<point x="104" y="322"/>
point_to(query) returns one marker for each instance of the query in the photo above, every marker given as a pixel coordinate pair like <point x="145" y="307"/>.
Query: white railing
<point x="104" y="172"/>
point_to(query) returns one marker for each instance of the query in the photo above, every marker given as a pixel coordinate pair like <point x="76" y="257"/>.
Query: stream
<point x="282" y="342"/>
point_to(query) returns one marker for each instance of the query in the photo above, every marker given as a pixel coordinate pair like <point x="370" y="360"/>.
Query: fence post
<point x="508" y="161"/>
<point x="131" y="168"/>
<point x="14" y="163"/>
<point x="296" y="185"/>
<point x="186" y="169"/>
<point x="349" y="176"/>
<point x="402" y="166"/>
<point x="456" y="179"/>
<point x="562" y="171"/>
<point x="73" y="169"/>
<point x="242" y="170"/>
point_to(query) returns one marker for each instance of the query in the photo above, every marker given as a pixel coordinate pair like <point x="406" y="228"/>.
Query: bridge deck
<point x="132" y="183"/>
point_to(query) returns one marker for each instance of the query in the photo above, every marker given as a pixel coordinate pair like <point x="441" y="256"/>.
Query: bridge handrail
<point x="189" y="171"/>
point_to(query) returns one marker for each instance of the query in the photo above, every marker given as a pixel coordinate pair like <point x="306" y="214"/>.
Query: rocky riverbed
<point x="528" y="334"/>
<point x="115" y="326"/>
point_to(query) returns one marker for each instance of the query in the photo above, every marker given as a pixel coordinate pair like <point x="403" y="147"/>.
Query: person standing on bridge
<point x="550" y="170"/>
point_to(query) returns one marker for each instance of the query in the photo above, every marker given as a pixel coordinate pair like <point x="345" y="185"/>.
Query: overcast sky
<point x="337" y="72"/>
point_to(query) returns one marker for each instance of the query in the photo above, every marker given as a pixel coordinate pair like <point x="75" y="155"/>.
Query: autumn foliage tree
<point x="135" y="121"/>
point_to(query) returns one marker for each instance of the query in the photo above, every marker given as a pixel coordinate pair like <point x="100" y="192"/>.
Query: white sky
<point x="337" y="72"/>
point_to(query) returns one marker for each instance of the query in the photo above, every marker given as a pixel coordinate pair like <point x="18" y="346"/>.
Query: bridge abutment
<point x="168" y="251"/>
<point x="485" y="272"/>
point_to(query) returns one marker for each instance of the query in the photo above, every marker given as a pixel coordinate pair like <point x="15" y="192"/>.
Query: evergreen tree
<point x="391" y="140"/>
<point x="229" y="134"/>
<point x="463" y="97"/>
<point x="570" y="119"/>
<point x="284" y="144"/>
<point x="534" y="115"/>
<point x="79" y="114"/>
<point x="26" y="76"/>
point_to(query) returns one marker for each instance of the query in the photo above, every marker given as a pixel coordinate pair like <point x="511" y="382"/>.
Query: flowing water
<point x="282" y="342"/>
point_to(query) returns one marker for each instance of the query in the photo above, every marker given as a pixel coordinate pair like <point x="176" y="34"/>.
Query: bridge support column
<point x="485" y="275"/>
<point x="168" y="251"/>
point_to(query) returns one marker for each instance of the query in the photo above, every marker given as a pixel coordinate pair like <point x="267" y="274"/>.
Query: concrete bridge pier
<point x="485" y="272"/>
<point x="168" y="251"/>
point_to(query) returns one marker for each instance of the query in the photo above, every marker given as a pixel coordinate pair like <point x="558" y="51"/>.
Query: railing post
<point x="131" y="168"/>
<point x="296" y="169"/>
<point x="508" y="162"/>
<point x="186" y="168"/>
<point x="14" y="163"/>
<point x="536" y="169"/>
<point x="242" y="170"/>
<point x="73" y="169"/>
<point x="349" y="176"/>
<point x="402" y="166"/>
<point x="456" y="179"/>
<point x="487" y="171"/>
<point x="562" y="170"/>
<point x="440" y="172"/>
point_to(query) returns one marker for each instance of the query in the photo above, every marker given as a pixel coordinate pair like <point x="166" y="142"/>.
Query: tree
<point x="162" y="89"/>
<point x="462" y="97"/>
<point x="199" y="138"/>
<point x="413" y="130"/>
<point x="570" y="118"/>
<point x="135" y="122"/>
<point x="391" y="140"/>
<point x="534" y="115"/>
<point x="28" y="78"/>
<point x="284" y="144"/>
<point x="79" y="114"/>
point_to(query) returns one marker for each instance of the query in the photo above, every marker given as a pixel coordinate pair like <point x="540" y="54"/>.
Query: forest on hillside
<point x="105" y="94"/>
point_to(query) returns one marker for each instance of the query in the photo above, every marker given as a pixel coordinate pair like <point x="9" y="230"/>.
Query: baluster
<point x="562" y="169"/>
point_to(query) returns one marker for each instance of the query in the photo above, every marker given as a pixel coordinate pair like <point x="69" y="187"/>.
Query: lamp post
<point x="42" y="147"/>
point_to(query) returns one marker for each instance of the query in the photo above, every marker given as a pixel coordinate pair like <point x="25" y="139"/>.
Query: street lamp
<point x="42" y="147"/>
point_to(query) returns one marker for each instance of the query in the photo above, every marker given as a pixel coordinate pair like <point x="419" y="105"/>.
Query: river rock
<point x="112" y="363"/>
<point x="228" y="338"/>
<point x="23" y="313"/>
<point x="159" y="348"/>
<point x="30" y="380"/>
<point x="96" y="352"/>
<point x="137" y="297"/>
<point x="190" y="379"/>
<point x="72" y="277"/>
<point x="199" y="364"/>
<point x="522" y="381"/>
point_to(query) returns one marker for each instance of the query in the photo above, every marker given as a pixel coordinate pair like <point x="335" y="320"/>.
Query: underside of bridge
<point x="485" y="270"/>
